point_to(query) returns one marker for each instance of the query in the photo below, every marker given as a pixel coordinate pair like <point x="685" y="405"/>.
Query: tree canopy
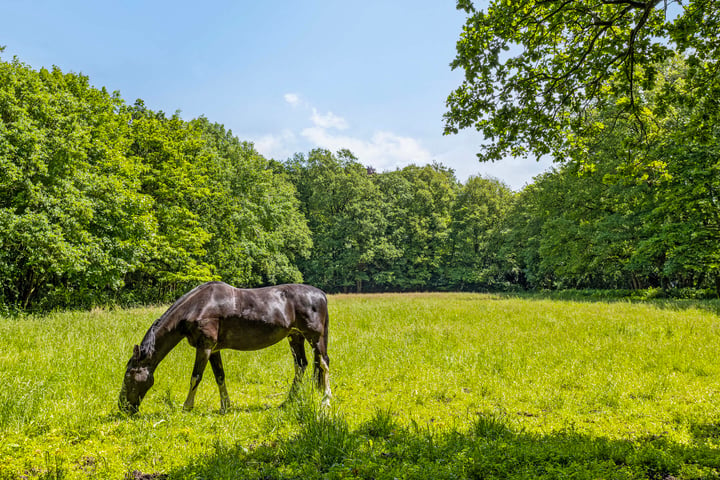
<point x="101" y="201"/>
<point x="536" y="70"/>
<point x="105" y="202"/>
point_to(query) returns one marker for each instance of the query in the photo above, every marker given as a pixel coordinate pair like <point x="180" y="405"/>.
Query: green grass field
<point x="425" y="386"/>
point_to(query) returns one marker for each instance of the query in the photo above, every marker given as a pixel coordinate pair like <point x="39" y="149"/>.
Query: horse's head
<point x="138" y="380"/>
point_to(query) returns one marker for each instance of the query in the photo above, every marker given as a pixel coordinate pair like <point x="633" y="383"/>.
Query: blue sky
<point x="371" y="76"/>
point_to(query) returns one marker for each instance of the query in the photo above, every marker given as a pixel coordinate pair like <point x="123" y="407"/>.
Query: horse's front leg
<point x="217" y="367"/>
<point x="201" y="358"/>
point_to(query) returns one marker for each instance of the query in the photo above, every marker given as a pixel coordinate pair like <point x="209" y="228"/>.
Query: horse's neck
<point x="161" y="344"/>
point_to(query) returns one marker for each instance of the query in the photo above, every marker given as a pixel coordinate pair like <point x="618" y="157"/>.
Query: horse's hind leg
<point x="322" y="369"/>
<point x="217" y="367"/>
<point x="201" y="358"/>
<point x="297" y="344"/>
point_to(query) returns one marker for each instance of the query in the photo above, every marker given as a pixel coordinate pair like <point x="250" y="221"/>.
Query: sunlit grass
<point x="633" y="367"/>
<point x="458" y="381"/>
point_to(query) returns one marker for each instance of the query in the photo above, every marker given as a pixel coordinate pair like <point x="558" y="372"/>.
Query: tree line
<point x="579" y="226"/>
<point x="103" y="202"/>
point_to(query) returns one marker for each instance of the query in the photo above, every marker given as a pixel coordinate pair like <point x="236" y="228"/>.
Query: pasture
<point x="425" y="386"/>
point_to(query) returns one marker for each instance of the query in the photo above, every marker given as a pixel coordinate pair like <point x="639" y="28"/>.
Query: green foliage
<point x="601" y="222"/>
<point x="101" y="202"/>
<point x="535" y="69"/>
<point x="627" y="214"/>
<point x="70" y="205"/>
<point x="175" y="178"/>
<point x="421" y="224"/>
<point x="258" y="232"/>
<point x="346" y="217"/>
<point x="105" y="203"/>
<point x="409" y="229"/>
<point x="479" y="212"/>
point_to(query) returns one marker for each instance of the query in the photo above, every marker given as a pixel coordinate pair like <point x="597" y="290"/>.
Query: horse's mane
<point x="147" y="346"/>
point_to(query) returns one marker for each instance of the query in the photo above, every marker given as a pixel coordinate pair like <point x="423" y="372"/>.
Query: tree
<point x="685" y="150"/>
<point x="570" y="230"/>
<point x="478" y="214"/>
<point x="422" y="200"/>
<point x="73" y="223"/>
<point x="628" y="216"/>
<point x="175" y="176"/>
<point x="345" y="214"/>
<point x="101" y="202"/>
<point x="670" y="183"/>
<point x="251" y="212"/>
<point x="535" y="68"/>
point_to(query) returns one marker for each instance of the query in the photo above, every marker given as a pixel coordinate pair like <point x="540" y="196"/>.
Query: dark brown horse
<point x="214" y="316"/>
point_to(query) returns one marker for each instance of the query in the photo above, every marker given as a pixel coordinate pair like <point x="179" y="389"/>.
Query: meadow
<point x="425" y="386"/>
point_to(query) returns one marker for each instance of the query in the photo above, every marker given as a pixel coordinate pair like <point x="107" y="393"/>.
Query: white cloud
<point x="383" y="151"/>
<point x="387" y="150"/>
<point x="292" y="98"/>
<point x="329" y="120"/>
<point x="459" y="153"/>
<point x="279" y="147"/>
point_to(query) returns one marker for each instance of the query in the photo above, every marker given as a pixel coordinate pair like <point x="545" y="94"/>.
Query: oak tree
<point x="535" y="68"/>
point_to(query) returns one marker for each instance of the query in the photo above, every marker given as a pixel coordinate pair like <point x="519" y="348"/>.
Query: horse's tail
<point x="325" y="361"/>
<point x="327" y="323"/>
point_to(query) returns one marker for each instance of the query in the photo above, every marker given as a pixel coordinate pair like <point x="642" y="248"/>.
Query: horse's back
<point x="251" y="318"/>
<point x="296" y="306"/>
<point x="212" y="294"/>
<point x="204" y="301"/>
<point x="301" y="303"/>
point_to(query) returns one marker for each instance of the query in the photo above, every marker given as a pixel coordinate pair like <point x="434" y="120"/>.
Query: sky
<point x="371" y="76"/>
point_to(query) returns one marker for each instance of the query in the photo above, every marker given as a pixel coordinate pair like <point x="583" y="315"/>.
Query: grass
<point x="425" y="386"/>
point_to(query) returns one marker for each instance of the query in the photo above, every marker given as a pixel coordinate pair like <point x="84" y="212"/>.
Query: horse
<point x="214" y="316"/>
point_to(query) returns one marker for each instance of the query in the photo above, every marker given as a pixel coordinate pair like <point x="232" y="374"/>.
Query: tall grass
<point x="425" y="385"/>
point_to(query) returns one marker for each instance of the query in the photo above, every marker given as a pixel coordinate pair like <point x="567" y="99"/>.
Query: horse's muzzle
<point x="124" y="405"/>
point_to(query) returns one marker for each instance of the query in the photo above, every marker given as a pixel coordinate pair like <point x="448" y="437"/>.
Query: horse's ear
<point x="136" y="352"/>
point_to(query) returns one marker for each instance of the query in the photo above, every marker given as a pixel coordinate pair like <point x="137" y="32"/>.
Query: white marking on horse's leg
<point x="219" y="372"/>
<point x="201" y="358"/>
<point x="326" y="382"/>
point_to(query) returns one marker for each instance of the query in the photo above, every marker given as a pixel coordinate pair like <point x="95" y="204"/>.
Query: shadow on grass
<point x="325" y="447"/>
<point x="705" y="431"/>
<point x="618" y="296"/>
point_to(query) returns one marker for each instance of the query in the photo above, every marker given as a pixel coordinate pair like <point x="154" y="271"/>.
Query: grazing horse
<point x="216" y="315"/>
